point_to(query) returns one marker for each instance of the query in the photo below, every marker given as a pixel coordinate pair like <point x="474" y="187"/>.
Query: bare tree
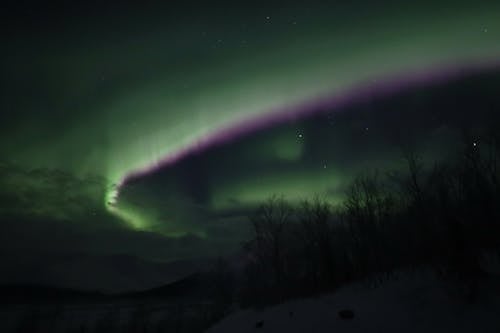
<point x="316" y="235"/>
<point x="368" y="209"/>
<point x="269" y="226"/>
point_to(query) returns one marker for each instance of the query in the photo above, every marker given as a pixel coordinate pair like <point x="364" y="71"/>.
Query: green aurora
<point x="122" y="97"/>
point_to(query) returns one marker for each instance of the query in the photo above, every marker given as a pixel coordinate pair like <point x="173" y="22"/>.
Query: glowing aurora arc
<point x="391" y="85"/>
<point x="294" y="76"/>
<point x="122" y="104"/>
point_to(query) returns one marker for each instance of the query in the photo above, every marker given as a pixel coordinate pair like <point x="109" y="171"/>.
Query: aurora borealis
<point x="190" y="115"/>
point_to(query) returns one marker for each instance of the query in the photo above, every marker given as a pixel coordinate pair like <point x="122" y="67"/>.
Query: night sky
<point x="154" y="130"/>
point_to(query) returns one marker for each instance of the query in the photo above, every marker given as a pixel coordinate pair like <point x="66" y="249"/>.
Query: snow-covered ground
<point x="412" y="303"/>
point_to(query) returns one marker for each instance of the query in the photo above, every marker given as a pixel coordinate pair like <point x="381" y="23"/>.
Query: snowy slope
<point x="416" y="303"/>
